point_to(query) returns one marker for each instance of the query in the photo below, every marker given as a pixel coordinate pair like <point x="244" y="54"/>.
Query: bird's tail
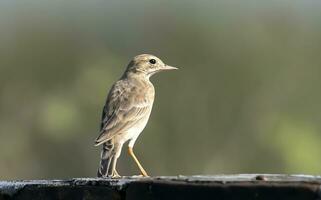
<point x="108" y="160"/>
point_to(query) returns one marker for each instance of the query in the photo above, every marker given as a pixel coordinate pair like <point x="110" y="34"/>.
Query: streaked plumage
<point x="127" y="110"/>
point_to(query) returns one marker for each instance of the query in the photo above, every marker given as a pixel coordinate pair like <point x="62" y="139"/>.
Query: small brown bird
<point x="126" y="112"/>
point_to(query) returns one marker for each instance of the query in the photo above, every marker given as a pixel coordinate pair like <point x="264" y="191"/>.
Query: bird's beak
<point x="167" y="67"/>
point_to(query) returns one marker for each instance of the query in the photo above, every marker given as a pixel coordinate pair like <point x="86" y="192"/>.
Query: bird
<point x="126" y="112"/>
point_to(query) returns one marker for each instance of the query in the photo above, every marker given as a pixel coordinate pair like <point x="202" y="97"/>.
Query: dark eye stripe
<point x="152" y="61"/>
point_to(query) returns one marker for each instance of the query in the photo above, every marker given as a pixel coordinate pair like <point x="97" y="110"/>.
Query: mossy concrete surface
<point x="242" y="186"/>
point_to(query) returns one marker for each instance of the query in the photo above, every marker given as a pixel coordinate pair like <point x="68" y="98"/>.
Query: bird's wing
<point x="122" y="110"/>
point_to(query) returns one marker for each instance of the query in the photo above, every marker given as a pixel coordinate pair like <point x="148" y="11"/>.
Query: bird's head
<point x="147" y="64"/>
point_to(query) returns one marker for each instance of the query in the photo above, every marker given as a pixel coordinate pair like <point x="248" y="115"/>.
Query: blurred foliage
<point x="245" y="100"/>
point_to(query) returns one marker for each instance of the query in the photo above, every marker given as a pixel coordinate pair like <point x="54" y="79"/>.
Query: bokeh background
<point x="247" y="97"/>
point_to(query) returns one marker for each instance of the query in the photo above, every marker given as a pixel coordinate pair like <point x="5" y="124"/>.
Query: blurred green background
<point x="247" y="97"/>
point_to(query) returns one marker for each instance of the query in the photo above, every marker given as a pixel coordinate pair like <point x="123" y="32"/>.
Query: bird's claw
<point x="139" y="176"/>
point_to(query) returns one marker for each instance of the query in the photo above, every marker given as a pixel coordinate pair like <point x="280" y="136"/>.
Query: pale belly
<point x="132" y="133"/>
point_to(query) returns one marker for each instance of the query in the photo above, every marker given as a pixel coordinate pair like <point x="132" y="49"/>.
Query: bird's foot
<point x="115" y="174"/>
<point x="139" y="176"/>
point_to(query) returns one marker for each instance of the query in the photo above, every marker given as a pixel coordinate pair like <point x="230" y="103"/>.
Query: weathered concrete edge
<point x="10" y="188"/>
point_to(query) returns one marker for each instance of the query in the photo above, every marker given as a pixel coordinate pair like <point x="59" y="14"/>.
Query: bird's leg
<point x="116" y="151"/>
<point x="131" y="153"/>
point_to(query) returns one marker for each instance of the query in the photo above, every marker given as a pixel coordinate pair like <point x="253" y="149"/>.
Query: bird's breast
<point x="143" y="92"/>
<point x="134" y="131"/>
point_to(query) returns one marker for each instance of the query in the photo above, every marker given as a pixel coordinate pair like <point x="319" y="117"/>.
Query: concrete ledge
<point x="244" y="186"/>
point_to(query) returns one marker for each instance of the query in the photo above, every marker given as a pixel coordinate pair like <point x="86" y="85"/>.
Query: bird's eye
<point x="152" y="61"/>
